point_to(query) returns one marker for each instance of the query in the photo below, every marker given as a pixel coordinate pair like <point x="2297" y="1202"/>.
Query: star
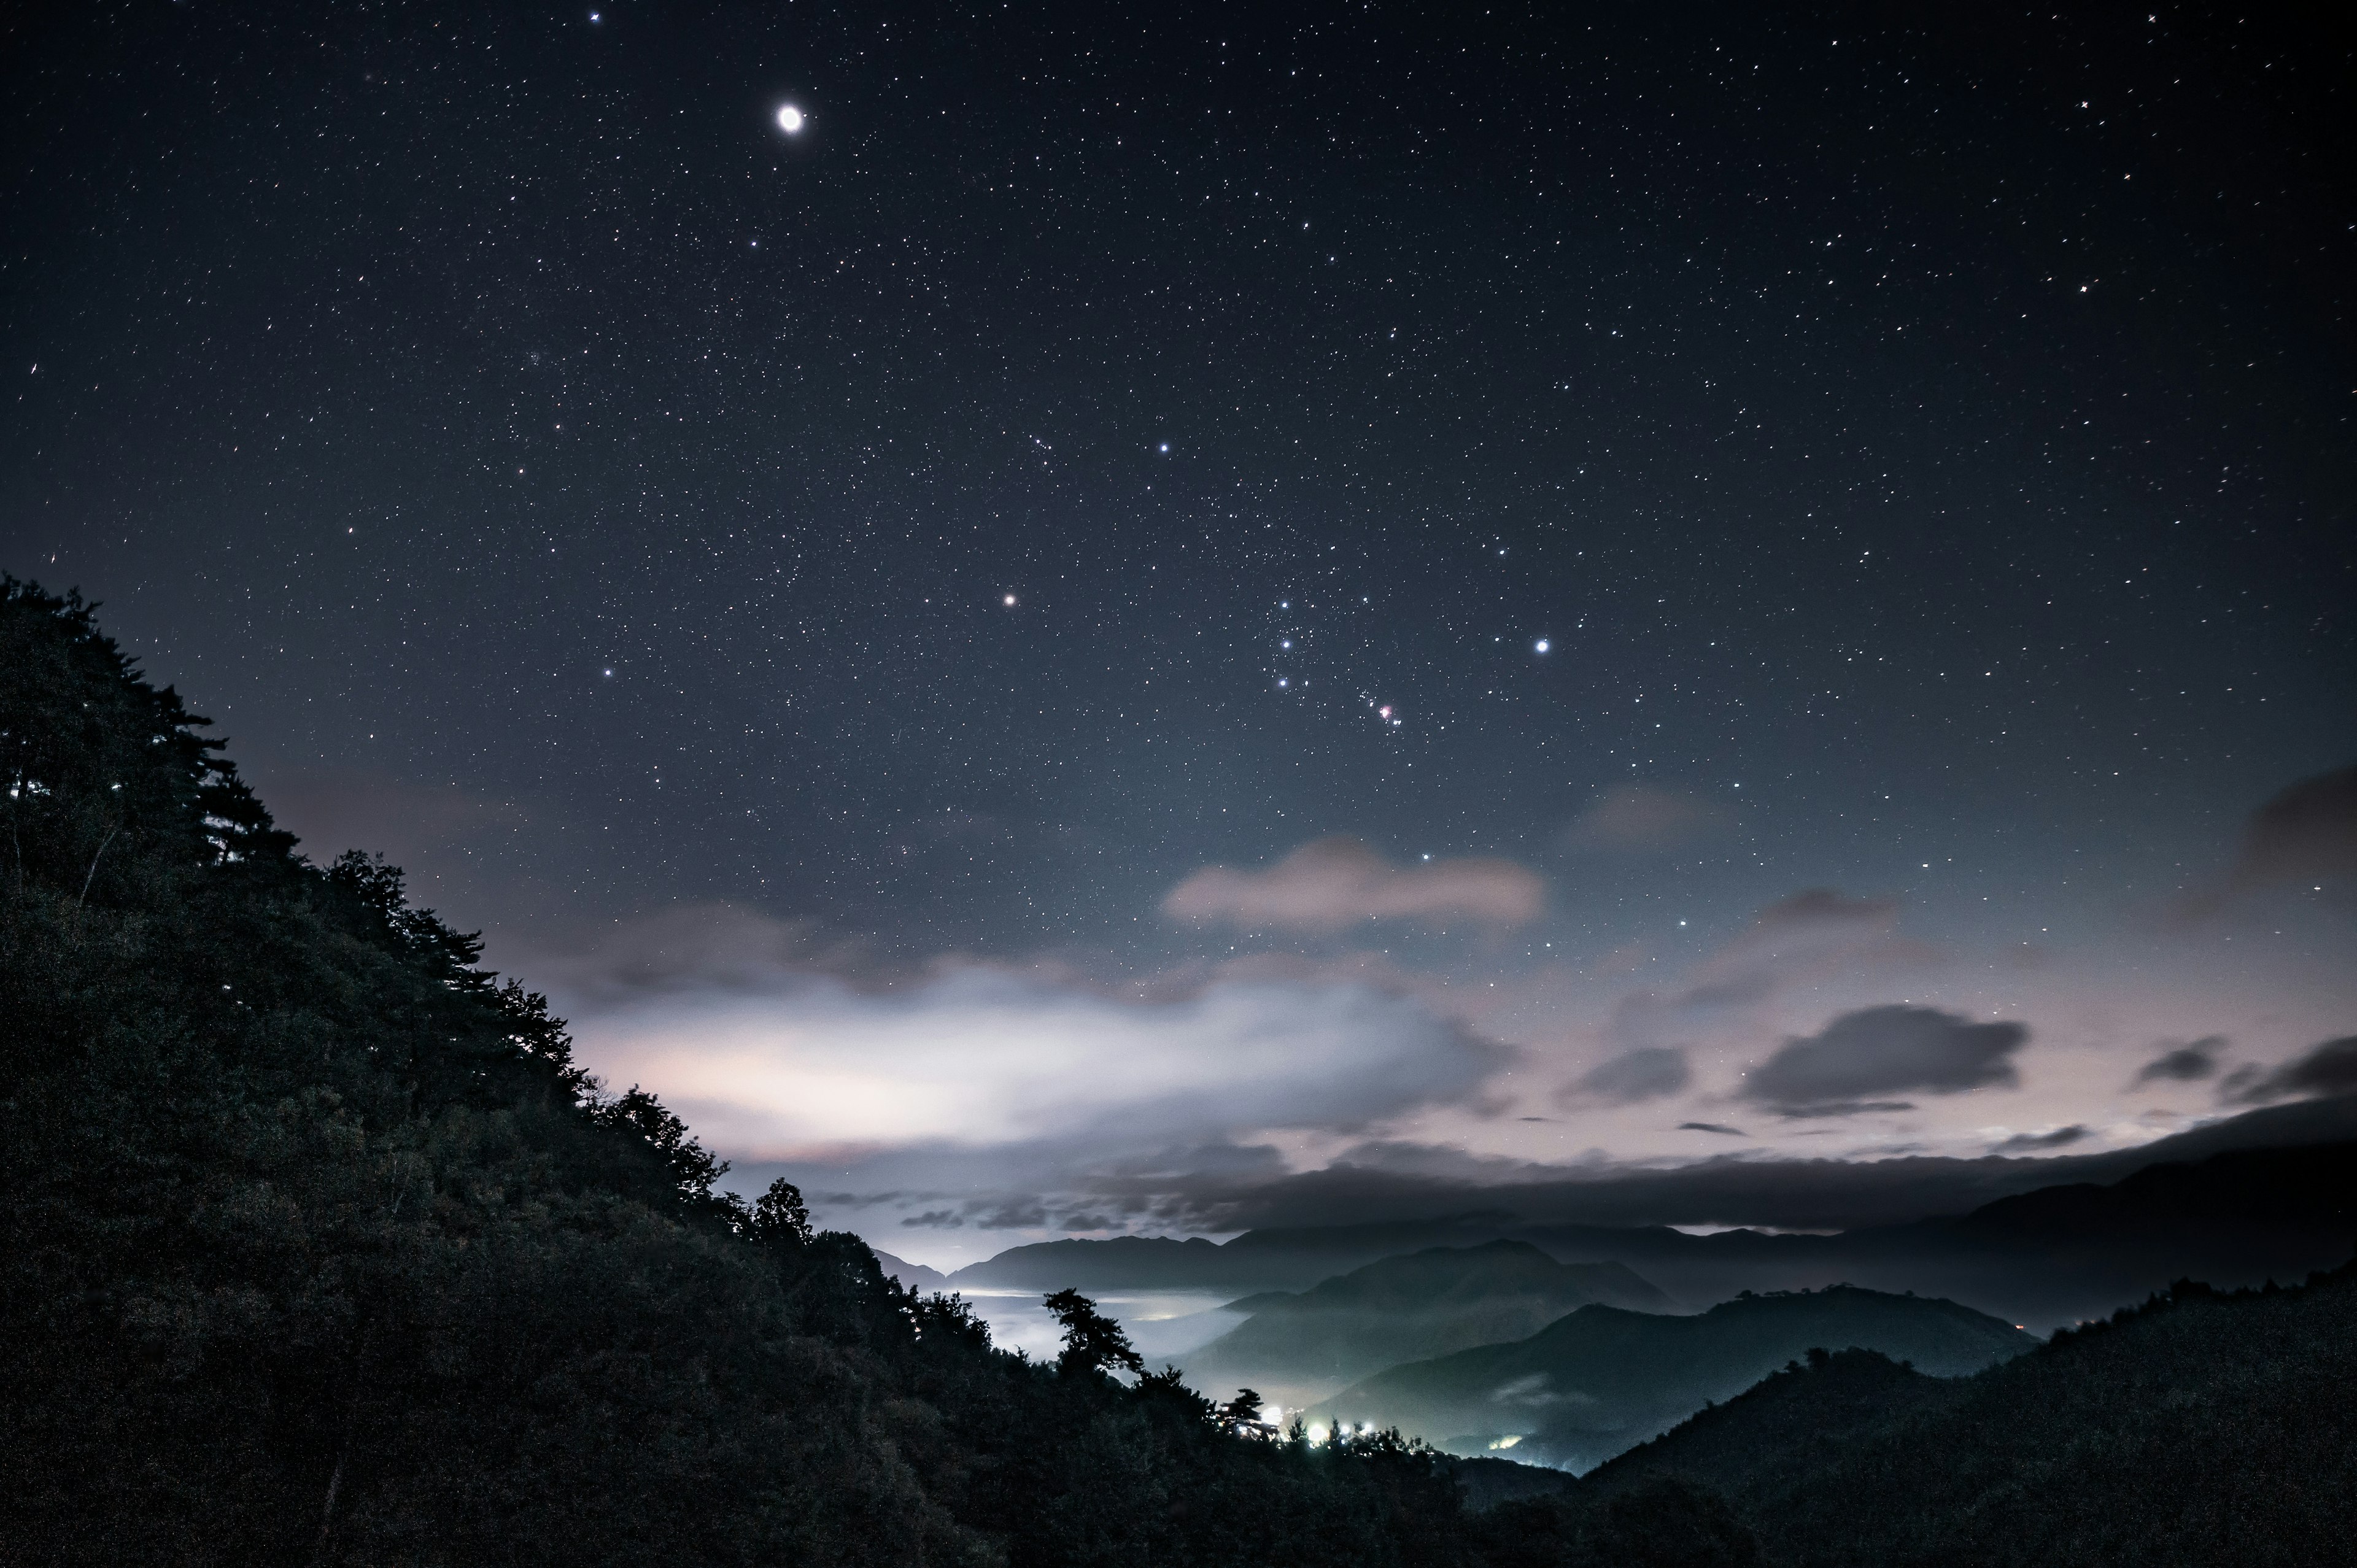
<point x="789" y="119"/>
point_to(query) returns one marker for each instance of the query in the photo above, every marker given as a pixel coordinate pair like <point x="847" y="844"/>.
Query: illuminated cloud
<point x="1333" y="884"/>
<point x="975" y="1058"/>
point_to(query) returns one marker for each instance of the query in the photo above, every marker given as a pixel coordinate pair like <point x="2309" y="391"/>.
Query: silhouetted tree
<point x="779" y="1217"/>
<point x="1092" y="1342"/>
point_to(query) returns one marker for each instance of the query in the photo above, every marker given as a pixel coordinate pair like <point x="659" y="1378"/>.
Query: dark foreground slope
<point x="316" y="1248"/>
<point x="1602" y="1379"/>
<point x="2200" y="1428"/>
<point x="1302" y="1348"/>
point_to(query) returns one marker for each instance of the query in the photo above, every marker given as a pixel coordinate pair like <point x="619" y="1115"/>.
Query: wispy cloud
<point x="1333" y="884"/>
<point x="1637" y="817"/>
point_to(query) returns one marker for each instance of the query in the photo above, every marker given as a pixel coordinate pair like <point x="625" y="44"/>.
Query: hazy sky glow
<point x="1453" y="601"/>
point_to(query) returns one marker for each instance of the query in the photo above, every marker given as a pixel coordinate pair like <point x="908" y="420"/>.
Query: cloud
<point x="2185" y="1064"/>
<point x="1877" y="1050"/>
<point x="975" y="1058"/>
<point x="1332" y="884"/>
<point x="1812" y="938"/>
<point x="1816" y="909"/>
<point x="1639" y="818"/>
<point x="2329" y="1068"/>
<point x="2030" y="1143"/>
<point x="1388" y="1184"/>
<point x="696" y="950"/>
<point x="2308" y="834"/>
<point x="1647" y="1073"/>
<point x="1712" y="1127"/>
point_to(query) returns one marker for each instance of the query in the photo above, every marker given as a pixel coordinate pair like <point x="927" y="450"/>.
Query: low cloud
<point x="1649" y="1072"/>
<point x="2186" y="1064"/>
<point x="2329" y="1068"/>
<point x="975" y="1058"/>
<point x="1333" y="884"/>
<point x="1713" y="1127"/>
<point x="1881" y="1050"/>
<point x="2036" y="1143"/>
<point x="1639" y="818"/>
<point x="1750" y="1186"/>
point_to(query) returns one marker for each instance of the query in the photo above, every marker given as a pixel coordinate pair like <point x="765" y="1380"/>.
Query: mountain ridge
<point x="1298" y="1347"/>
<point x="1597" y="1380"/>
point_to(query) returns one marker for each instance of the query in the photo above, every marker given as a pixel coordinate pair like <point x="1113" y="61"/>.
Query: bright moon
<point x="789" y="119"/>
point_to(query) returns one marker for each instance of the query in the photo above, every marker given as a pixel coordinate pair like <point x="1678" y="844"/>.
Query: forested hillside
<point x="318" y="1248"/>
<point x="2200" y="1428"/>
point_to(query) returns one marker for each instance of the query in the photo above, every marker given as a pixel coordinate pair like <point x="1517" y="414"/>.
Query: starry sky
<point x="1159" y="601"/>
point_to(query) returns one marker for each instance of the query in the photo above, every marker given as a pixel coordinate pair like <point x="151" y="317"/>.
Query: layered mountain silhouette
<point x="1295" y="1349"/>
<point x="1604" y="1379"/>
<point x="2200" y="1428"/>
<point x="2194" y="1205"/>
<point x="908" y="1275"/>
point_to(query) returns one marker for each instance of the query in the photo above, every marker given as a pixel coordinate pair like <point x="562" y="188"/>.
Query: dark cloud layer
<point x="2329" y="1068"/>
<point x="2186" y="1064"/>
<point x="1737" y="1188"/>
<point x="1648" y="1073"/>
<point x="2034" y="1142"/>
<point x="1877" y="1051"/>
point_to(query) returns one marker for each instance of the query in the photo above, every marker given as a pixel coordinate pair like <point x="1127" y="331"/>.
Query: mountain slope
<point x="1297" y="1348"/>
<point x="909" y="1276"/>
<point x="1602" y="1379"/>
<point x="317" y="1249"/>
<point x="2201" y="1428"/>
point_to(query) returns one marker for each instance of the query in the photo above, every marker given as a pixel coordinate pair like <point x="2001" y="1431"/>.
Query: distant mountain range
<point x="2046" y="1257"/>
<point x="1604" y="1379"/>
<point x="1295" y="1349"/>
<point x="910" y="1276"/>
<point x="2201" y="1428"/>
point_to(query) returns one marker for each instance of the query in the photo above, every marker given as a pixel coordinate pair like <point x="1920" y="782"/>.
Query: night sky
<point x="1157" y="600"/>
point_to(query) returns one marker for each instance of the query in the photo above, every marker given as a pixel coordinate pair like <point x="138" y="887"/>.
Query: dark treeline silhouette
<point x="316" y="1246"/>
